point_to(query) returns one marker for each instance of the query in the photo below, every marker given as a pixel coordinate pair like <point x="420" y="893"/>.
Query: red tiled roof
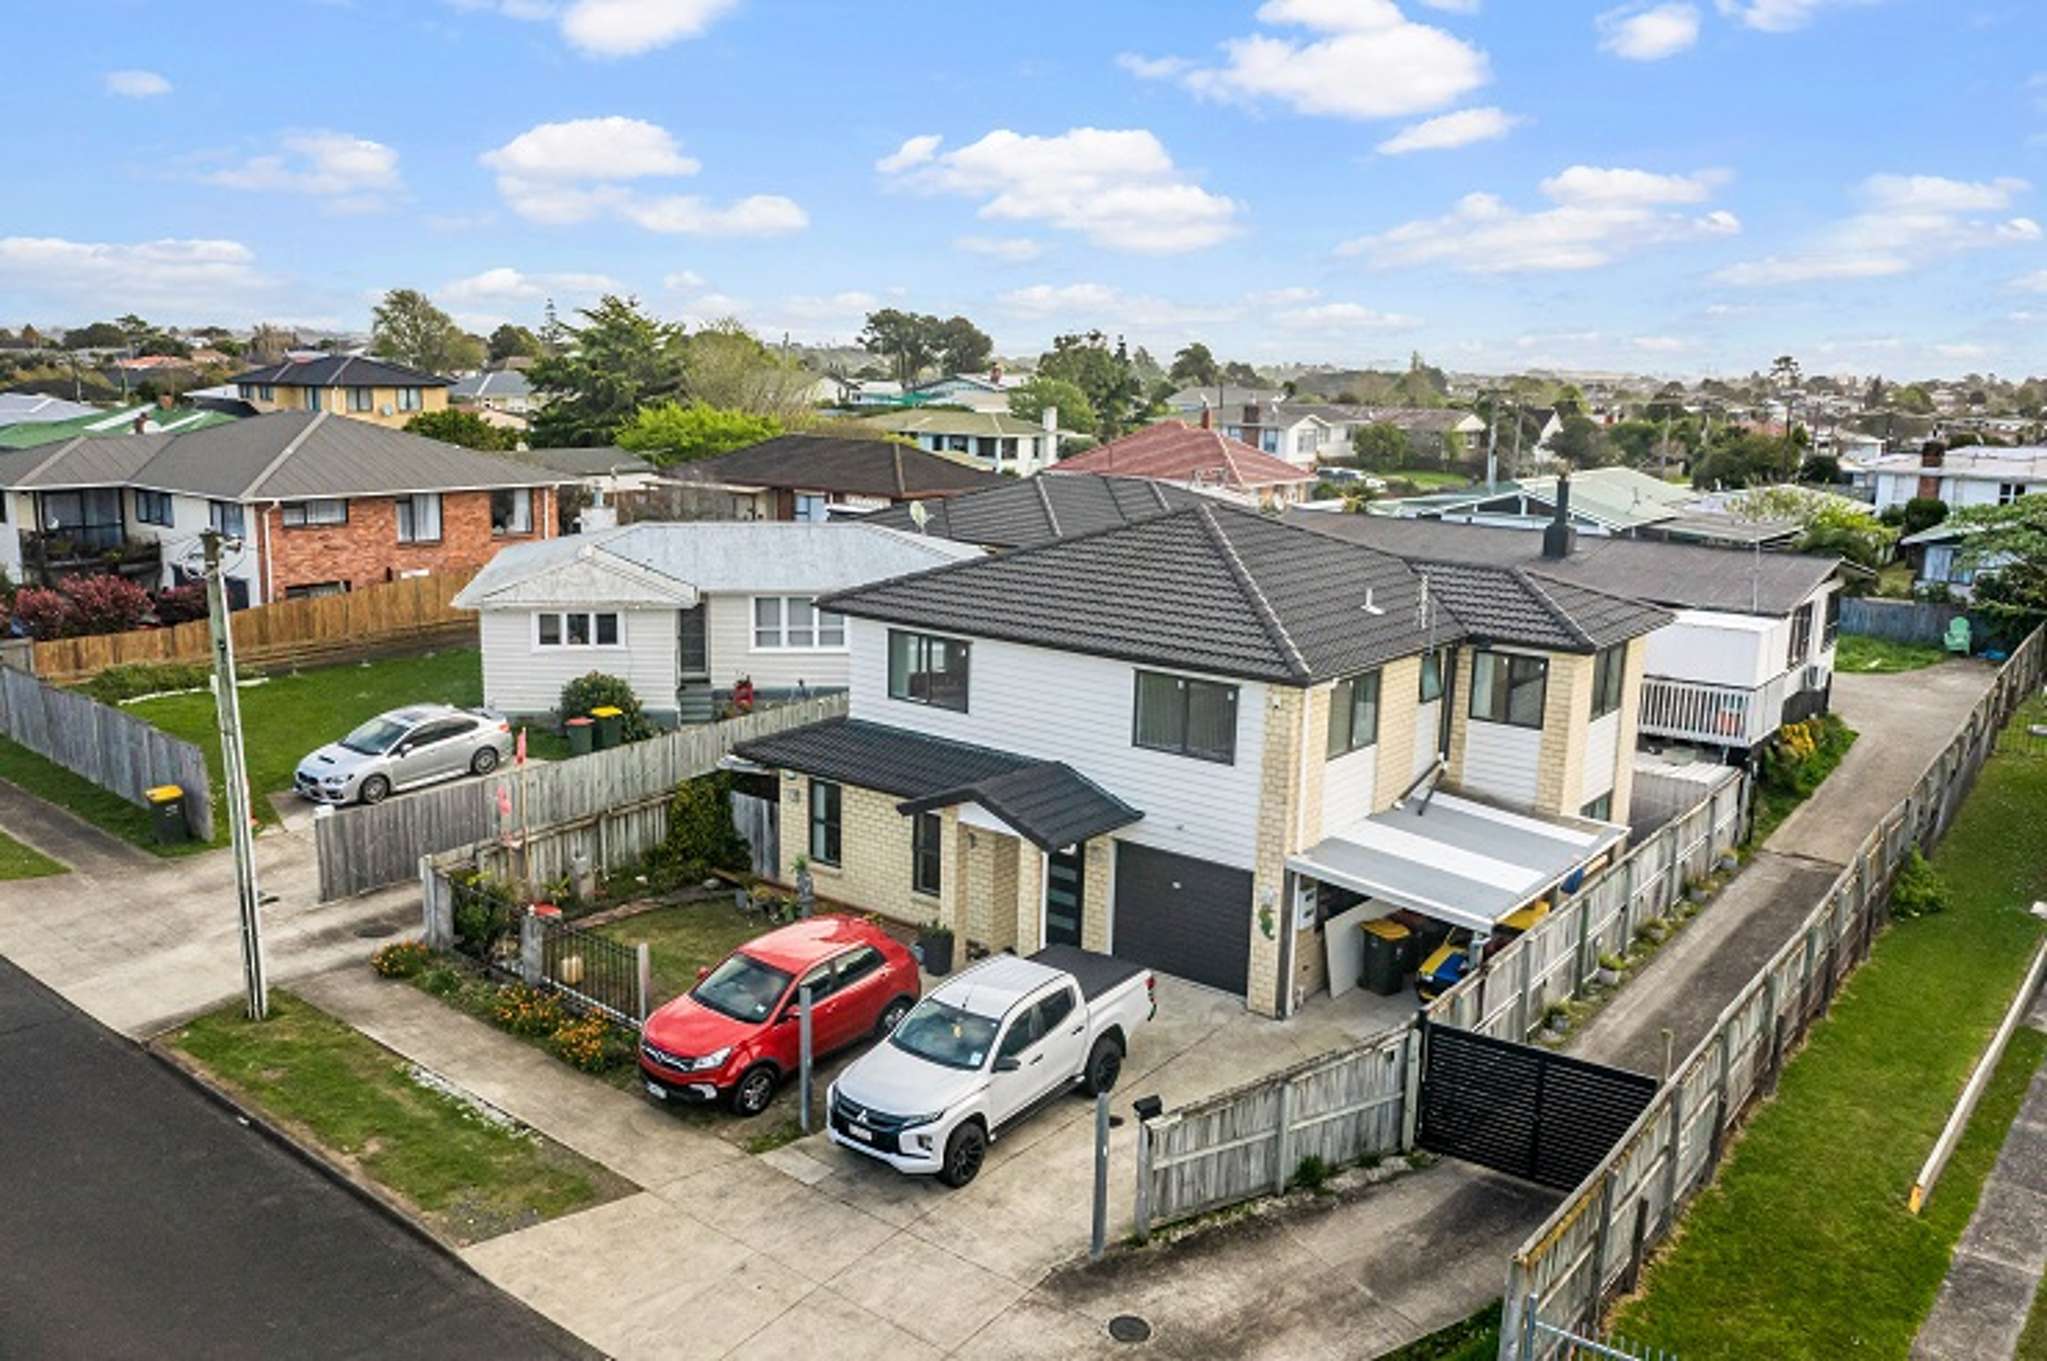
<point x="1175" y="451"/>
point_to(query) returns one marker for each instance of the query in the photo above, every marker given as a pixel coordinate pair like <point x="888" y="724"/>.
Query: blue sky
<point x="1682" y="186"/>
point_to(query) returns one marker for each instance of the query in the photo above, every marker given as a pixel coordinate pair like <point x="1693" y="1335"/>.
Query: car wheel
<point x="375" y="789"/>
<point x="484" y="762"/>
<point x="891" y="1017"/>
<point x="1104" y="1066"/>
<point x="752" y="1093"/>
<point x="964" y="1153"/>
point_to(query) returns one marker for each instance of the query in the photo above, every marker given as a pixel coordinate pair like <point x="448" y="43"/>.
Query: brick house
<point x="320" y="504"/>
<point x="353" y="385"/>
<point x="1196" y="739"/>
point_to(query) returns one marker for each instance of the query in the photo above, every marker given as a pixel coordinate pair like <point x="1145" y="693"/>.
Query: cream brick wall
<point x="1279" y="787"/>
<point x="1399" y="697"/>
<point x="1631" y="726"/>
<point x="1459" y="700"/>
<point x="1566" y="717"/>
<point x="1030" y="890"/>
<point x="1100" y="894"/>
<point x="874" y="852"/>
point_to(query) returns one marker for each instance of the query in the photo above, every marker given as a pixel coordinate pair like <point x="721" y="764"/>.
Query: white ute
<point x="984" y="1051"/>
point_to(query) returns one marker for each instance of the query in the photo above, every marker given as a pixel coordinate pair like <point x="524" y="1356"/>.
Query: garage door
<point x="1183" y="916"/>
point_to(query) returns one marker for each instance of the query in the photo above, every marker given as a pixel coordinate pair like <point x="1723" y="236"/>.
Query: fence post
<point x="1521" y="987"/>
<point x="1602" y="1241"/>
<point x="1142" y="1214"/>
<point x="1514" y="1306"/>
<point x="643" y="958"/>
<point x="1670" y="1171"/>
<point x="1411" y="1097"/>
<point x="437" y="909"/>
<point x="1283" y="1138"/>
<point x="532" y="949"/>
<point x="1775" y="989"/>
<point x="1586" y="957"/>
<point x="1721" y="1115"/>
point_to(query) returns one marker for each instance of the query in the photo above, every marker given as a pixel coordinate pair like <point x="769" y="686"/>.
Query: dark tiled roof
<point x="339" y="371"/>
<point x="1512" y="605"/>
<point x="1045" y="800"/>
<point x="1678" y="575"/>
<point x="1034" y="509"/>
<point x="1205" y="588"/>
<point x="592" y="462"/>
<point x="825" y="463"/>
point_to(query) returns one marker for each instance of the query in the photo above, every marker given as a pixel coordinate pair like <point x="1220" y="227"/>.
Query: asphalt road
<point x="140" y="1219"/>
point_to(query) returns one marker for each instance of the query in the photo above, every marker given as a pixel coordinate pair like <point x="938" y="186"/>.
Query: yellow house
<point x="357" y="386"/>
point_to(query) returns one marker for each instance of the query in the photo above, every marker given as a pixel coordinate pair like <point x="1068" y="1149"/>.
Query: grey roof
<point x="1033" y="510"/>
<point x="593" y="462"/>
<point x="287" y="455"/>
<point x="1205" y="588"/>
<point x="824" y="463"/>
<point x="1515" y="605"/>
<point x="338" y="371"/>
<point x="1048" y="801"/>
<point x="491" y="383"/>
<point x="35" y="406"/>
<point x="1678" y="575"/>
<point x="1221" y="395"/>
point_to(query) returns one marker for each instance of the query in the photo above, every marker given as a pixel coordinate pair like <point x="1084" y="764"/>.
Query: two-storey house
<point x="1975" y="475"/>
<point x="1195" y="738"/>
<point x="357" y="386"/>
<point x="806" y="477"/>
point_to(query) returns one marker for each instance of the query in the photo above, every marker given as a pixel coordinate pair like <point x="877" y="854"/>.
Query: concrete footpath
<point x="1999" y="1262"/>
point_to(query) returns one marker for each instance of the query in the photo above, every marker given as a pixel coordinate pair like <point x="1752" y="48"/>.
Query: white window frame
<point x="777" y="633"/>
<point x="590" y="631"/>
<point x="306" y="517"/>
<point x="415" y="501"/>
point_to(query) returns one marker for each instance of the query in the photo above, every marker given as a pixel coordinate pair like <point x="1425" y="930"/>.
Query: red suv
<point x="735" y="1035"/>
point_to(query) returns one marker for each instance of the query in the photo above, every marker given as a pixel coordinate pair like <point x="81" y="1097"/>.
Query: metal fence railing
<point x="1593" y="1247"/>
<point x="593" y="972"/>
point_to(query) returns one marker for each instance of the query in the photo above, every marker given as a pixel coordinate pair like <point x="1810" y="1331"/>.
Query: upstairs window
<point x="1609" y="679"/>
<point x="1801" y="637"/>
<point x="2008" y="492"/>
<point x="226" y="518"/>
<point x="794" y="621"/>
<point x="1187" y="717"/>
<point x="1832" y="628"/>
<point x="1353" y="715"/>
<point x="926" y="669"/>
<point x="511" y="511"/>
<point x="152" y="507"/>
<point x="298" y="514"/>
<point x="419" y="518"/>
<point x="1435" y="666"/>
<point x="1507" y="687"/>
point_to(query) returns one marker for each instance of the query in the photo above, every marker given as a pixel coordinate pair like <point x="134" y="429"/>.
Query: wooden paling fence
<point x="317" y="629"/>
<point x="117" y="752"/>
<point x="1900" y="621"/>
<point x="611" y="806"/>
<point x="1557" y="960"/>
<point x="1593" y="1247"/>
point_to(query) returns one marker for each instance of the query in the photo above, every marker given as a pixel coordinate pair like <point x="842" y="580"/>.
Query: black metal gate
<point x="1519" y="1109"/>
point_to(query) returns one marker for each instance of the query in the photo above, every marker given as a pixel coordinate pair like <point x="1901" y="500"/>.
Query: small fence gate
<point x="1545" y="1117"/>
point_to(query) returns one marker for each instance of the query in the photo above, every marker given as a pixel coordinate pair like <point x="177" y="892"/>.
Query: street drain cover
<point x="1129" y="1328"/>
<point x="376" y="930"/>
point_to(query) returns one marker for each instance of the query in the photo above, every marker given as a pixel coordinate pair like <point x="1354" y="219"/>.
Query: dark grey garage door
<point x="1183" y="916"/>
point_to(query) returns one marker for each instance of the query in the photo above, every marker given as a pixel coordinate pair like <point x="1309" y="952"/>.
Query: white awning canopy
<point x="1457" y="860"/>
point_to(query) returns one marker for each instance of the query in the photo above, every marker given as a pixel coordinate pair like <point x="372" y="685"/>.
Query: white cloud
<point x="505" y="284"/>
<point x="1454" y="6"/>
<point x="1102" y="304"/>
<point x="1368" y="61"/>
<point x="576" y="171"/>
<point x="136" y="84"/>
<point x="1660" y="344"/>
<point x="1152" y="68"/>
<point x="1015" y="250"/>
<point x="1117" y="188"/>
<point x="1904" y="223"/>
<point x="352" y="173"/>
<point x="1281" y="297"/>
<point x="1451" y="130"/>
<point x="1961" y="351"/>
<point x="626" y="28"/>
<point x="913" y="152"/>
<point x="1344" y="316"/>
<point x="1638" y="33"/>
<point x="2036" y="282"/>
<point x="218" y="278"/>
<point x="1600" y="215"/>
<point x="1777" y="16"/>
<point x="682" y="280"/>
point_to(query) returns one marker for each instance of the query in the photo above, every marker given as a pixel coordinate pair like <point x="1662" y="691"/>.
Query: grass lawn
<point x="1430" y="479"/>
<point x="685" y="938"/>
<point x="468" y="1177"/>
<point x="291" y="714"/>
<point x="104" y="809"/>
<point x="1894" y="581"/>
<point x="25" y="862"/>
<point x="1881" y="656"/>
<point x="2033" y="1343"/>
<point x="1774" y="803"/>
<point x="1803" y="1248"/>
<point x="1475" y="1339"/>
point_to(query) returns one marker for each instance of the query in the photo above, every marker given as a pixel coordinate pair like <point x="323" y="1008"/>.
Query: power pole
<point x="227" y="706"/>
<point x="1492" y="439"/>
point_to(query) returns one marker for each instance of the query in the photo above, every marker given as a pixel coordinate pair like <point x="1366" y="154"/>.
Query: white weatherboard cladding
<point x="729" y="627"/>
<point x="1717" y="649"/>
<point x="520" y="678"/>
<point x="1428" y="734"/>
<point x="1347" y="786"/>
<point x="1064" y="706"/>
<point x="1602" y="742"/>
<point x="1502" y="760"/>
<point x="190" y="517"/>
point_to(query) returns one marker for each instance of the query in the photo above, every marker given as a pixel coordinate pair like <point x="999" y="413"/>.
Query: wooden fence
<point x="610" y="805"/>
<point x="1556" y="960"/>
<point x="410" y="613"/>
<point x="1593" y="1247"/>
<point x="117" y="752"/>
<point x="1248" y="1142"/>
<point x="1900" y="621"/>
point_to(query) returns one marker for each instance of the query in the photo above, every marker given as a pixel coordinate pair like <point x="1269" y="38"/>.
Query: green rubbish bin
<point x="580" y="730"/>
<point x="167" y="814"/>
<point x="610" y="725"/>
<point x="1389" y="949"/>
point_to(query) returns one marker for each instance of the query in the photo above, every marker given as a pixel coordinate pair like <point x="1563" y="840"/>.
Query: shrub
<point x="590" y="1043"/>
<point x="41" y="611"/>
<point x="103" y="604"/>
<point x="130" y="679"/>
<point x="442" y="980"/>
<point x="1919" y="890"/>
<point x="532" y="1012"/>
<point x="701" y="835"/>
<point x="401" y="959"/>
<point x="594" y="691"/>
<point x="1803" y="754"/>
<point x="486" y="910"/>
<point x="181" y="604"/>
<point x="1313" y="1172"/>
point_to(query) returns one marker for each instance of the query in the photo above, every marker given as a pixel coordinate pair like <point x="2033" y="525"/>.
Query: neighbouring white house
<point x="504" y="390"/>
<point x="684" y="612"/>
<point x="1974" y="475"/>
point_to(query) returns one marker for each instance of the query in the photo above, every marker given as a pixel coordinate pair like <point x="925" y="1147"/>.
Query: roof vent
<point x="1372" y="606"/>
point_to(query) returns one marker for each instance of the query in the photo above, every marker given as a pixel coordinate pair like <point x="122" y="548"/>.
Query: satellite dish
<point x="919" y="516"/>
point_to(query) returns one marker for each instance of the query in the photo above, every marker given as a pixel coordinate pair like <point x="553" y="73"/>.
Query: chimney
<point x="1932" y="454"/>
<point x="1558" y="538"/>
<point x="995" y="373"/>
<point x="141" y="422"/>
<point x="1207" y="417"/>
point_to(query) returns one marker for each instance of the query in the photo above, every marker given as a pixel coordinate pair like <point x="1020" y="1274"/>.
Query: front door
<point x="1065" y="894"/>
<point x="692" y="649"/>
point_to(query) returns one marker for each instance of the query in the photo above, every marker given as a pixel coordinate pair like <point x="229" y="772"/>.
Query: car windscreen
<point x="743" y="988"/>
<point x="944" y="1034"/>
<point x="375" y="737"/>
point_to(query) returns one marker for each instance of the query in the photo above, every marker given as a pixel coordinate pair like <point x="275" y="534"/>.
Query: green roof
<point x="29" y="434"/>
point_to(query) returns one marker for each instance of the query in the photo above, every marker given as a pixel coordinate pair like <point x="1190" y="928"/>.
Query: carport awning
<point x="1456" y="860"/>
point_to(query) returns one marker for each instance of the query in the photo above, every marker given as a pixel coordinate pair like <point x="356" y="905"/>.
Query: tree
<point x="513" y="342"/>
<point x="1745" y="459"/>
<point x="407" y="327"/>
<point x="959" y="345"/>
<point x="905" y="339"/>
<point x="1238" y="374"/>
<point x="1029" y="401"/>
<point x="100" y="335"/>
<point x="598" y="375"/>
<point x="1581" y="443"/>
<point x="1194" y="366"/>
<point x="725" y="365"/>
<point x="133" y="327"/>
<point x="670" y="433"/>
<point x="2007" y="544"/>
<point x="269" y="344"/>
<point x="1922" y="513"/>
<point x="158" y="343"/>
<point x="1784" y="372"/>
<point x="1380" y="445"/>
<point x="1102" y="374"/>
<point x="454" y="425"/>
<point x="1913" y="397"/>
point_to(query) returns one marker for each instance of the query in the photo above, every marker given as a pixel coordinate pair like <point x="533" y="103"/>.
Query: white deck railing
<point x="1722" y="715"/>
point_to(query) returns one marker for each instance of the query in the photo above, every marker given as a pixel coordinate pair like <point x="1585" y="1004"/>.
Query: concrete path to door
<point x="1904" y="722"/>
